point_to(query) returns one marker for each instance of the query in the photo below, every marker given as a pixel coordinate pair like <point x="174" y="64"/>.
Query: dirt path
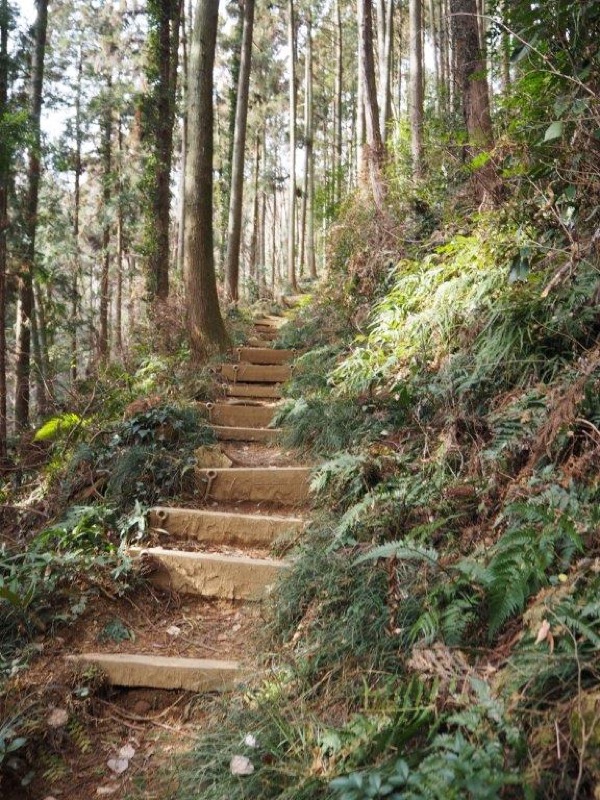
<point x="146" y="666"/>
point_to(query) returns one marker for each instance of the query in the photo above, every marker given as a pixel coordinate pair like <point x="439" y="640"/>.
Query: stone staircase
<point x="196" y="560"/>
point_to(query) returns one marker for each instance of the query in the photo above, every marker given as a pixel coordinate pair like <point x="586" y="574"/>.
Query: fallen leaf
<point x="118" y="765"/>
<point x="127" y="752"/>
<point x="543" y="632"/>
<point x="57" y="718"/>
<point x="240" y="765"/>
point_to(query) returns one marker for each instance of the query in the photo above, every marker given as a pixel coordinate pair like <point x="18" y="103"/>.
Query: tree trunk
<point x="415" y="12"/>
<point x="360" y="121"/>
<point x="205" y="323"/>
<point x="5" y="159"/>
<point x="40" y="352"/>
<point x="78" y="170"/>
<point x="435" y="44"/>
<point x="25" y="280"/>
<point x="385" y="68"/>
<point x="161" y="123"/>
<point x="186" y="22"/>
<point x="253" y="269"/>
<point x="339" y="75"/>
<point x="107" y="191"/>
<point x="374" y="145"/>
<point x="472" y="82"/>
<point x="120" y="250"/>
<point x="291" y="239"/>
<point x="234" y="226"/>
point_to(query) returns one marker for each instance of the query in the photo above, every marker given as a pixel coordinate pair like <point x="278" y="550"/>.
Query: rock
<point x="240" y="765"/>
<point x="211" y="455"/>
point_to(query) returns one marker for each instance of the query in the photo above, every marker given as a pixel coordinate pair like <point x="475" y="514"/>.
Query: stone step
<point x="229" y="433"/>
<point x="282" y="485"/>
<point x="221" y="527"/>
<point x="270" y="321"/>
<point x="267" y="334"/>
<point x="253" y="390"/>
<point x="240" y="415"/>
<point x="255" y="373"/>
<point x="163" y="672"/>
<point x="209" y="574"/>
<point x="264" y="355"/>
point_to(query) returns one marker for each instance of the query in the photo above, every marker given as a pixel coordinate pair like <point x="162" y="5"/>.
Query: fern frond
<point x="403" y="550"/>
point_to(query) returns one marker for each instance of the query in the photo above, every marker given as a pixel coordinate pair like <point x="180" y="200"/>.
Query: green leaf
<point x="554" y="131"/>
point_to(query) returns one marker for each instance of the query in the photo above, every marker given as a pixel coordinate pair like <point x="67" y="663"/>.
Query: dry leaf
<point x="126" y="751"/>
<point x="118" y="765"/>
<point x="543" y="632"/>
<point x="57" y="718"/>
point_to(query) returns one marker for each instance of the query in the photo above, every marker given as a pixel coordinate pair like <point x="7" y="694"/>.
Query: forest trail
<point x="219" y="551"/>
<point x="209" y="570"/>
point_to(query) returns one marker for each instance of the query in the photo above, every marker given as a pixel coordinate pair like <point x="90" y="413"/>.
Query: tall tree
<point x="205" y="323"/>
<point x="291" y="240"/>
<point x="307" y="233"/>
<point x="234" y="226"/>
<point x="415" y="16"/>
<point x="164" y="21"/>
<point x="339" y="87"/>
<point x="25" y="278"/>
<point x="106" y="126"/>
<point x="385" y="39"/>
<point x="78" y="171"/>
<point x="374" y="144"/>
<point x="472" y="82"/>
<point x="4" y="175"/>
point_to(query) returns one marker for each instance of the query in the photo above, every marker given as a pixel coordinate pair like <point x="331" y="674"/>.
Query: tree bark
<point x="25" y="280"/>
<point x="234" y="226"/>
<point x="415" y="12"/>
<point x="78" y="171"/>
<point x="161" y="123"/>
<point x="339" y="76"/>
<point x="4" y="176"/>
<point x="385" y="68"/>
<point x="307" y="252"/>
<point x="360" y="121"/>
<point x="253" y="265"/>
<point x="291" y="240"/>
<point x="310" y="160"/>
<point x="374" y="144"/>
<point x="107" y="190"/>
<point x="472" y="82"/>
<point x="120" y="251"/>
<point x="186" y="22"/>
<point x="205" y="324"/>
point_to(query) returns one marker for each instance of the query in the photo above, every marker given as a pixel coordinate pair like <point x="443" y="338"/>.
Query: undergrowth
<point x="438" y="632"/>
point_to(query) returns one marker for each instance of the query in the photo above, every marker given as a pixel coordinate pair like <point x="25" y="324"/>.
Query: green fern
<point x="404" y="550"/>
<point x="537" y="541"/>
